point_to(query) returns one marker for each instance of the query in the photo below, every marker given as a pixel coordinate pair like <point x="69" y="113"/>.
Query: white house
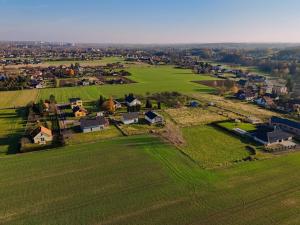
<point x="132" y="101"/>
<point x="154" y="118"/>
<point x="130" y="118"/>
<point x="41" y="135"/>
<point x="89" y="125"/>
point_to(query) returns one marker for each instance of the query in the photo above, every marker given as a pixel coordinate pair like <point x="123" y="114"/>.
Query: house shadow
<point x="11" y="142"/>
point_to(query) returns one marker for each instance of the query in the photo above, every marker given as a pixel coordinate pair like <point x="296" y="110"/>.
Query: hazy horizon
<point x="155" y="22"/>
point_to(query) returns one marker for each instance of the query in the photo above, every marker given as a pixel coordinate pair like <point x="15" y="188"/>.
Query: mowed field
<point x="149" y="79"/>
<point x="11" y="129"/>
<point x="211" y="147"/>
<point x="141" y="180"/>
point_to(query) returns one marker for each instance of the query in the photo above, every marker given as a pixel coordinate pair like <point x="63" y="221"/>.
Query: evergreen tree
<point x="158" y="105"/>
<point x="148" y="104"/>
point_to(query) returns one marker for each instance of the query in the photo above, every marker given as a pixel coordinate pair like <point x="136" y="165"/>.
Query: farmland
<point x="140" y="180"/>
<point x="211" y="147"/>
<point x="150" y="79"/>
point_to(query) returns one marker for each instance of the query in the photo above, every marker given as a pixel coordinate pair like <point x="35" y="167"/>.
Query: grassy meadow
<point x="211" y="147"/>
<point x="141" y="180"/>
<point x="149" y="79"/>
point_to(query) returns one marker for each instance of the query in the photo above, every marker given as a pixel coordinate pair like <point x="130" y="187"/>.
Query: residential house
<point x="269" y="136"/>
<point x="286" y="125"/>
<point x="98" y="123"/>
<point x="245" y="95"/>
<point x="132" y="101"/>
<point x="39" y="86"/>
<point x="41" y="135"/>
<point x="266" y="102"/>
<point x="280" y="90"/>
<point x="79" y="111"/>
<point x="76" y="102"/>
<point x="130" y="118"/>
<point x="154" y="118"/>
<point x="118" y="105"/>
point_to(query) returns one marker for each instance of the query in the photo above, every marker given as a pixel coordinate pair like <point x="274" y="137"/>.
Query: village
<point x="62" y="76"/>
<point x="51" y="124"/>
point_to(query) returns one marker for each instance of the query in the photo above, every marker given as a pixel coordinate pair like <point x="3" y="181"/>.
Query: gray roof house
<point x="130" y="118"/>
<point x="93" y="124"/>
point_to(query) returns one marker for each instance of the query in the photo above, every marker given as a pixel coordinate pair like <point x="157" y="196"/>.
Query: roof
<point x="93" y="122"/>
<point x="151" y="115"/>
<point x="270" y="135"/>
<point x="74" y="99"/>
<point x="78" y="108"/>
<point x="287" y="122"/>
<point x="130" y="116"/>
<point x="278" y="135"/>
<point x="130" y="98"/>
<point x="268" y="100"/>
<point x="40" y="129"/>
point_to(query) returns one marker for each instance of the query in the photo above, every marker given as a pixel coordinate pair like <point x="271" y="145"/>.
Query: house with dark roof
<point x="270" y="136"/>
<point x="98" y="123"/>
<point x="132" y="101"/>
<point x="76" y="102"/>
<point x="41" y="135"/>
<point x="130" y="118"/>
<point x="286" y="125"/>
<point x="154" y="118"/>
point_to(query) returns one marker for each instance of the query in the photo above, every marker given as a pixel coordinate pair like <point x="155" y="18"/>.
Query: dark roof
<point x="278" y="135"/>
<point x="270" y="135"/>
<point x="75" y="109"/>
<point x="151" y="115"/>
<point x="242" y="82"/>
<point x="130" y="98"/>
<point x="287" y="122"/>
<point x="93" y="122"/>
<point x="74" y="99"/>
<point x="130" y="116"/>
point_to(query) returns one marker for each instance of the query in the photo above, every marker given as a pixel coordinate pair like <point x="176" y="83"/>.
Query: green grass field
<point x="150" y="79"/>
<point x="140" y="180"/>
<point x="11" y="129"/>
<point x="211" y="147"/>
<point x="232" y="125"/>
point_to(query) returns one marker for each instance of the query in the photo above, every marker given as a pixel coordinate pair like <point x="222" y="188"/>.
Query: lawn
<point x="79" y="138"/>
<point x="193" y="116"/>
<point x="232" y="125"/>
<point x="10" y="99"/>
<point x="11" y="129"/>
<point x="211" y="147"/>
<point x="150" y="79"/>
<point x="140" y="180"/>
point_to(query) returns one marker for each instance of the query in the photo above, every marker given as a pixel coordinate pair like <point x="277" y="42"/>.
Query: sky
<point x="150" y="21"/>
